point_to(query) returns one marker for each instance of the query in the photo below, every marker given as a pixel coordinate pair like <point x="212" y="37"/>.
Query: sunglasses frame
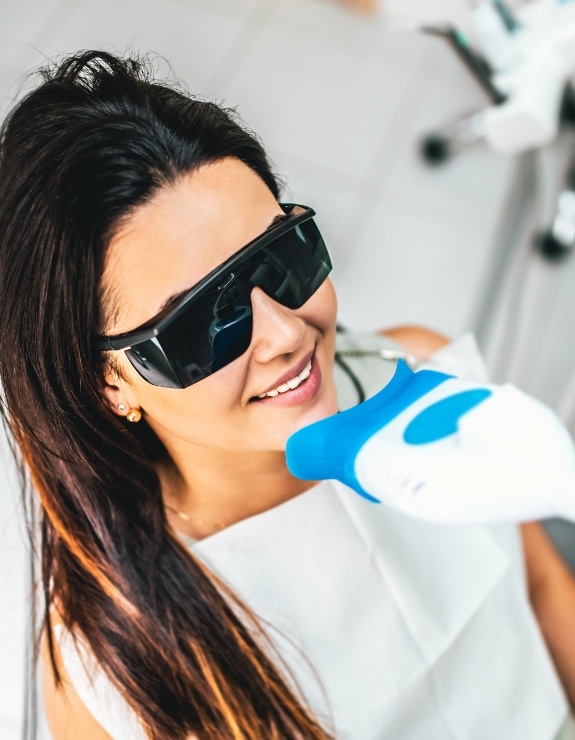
<point x="154" y="326"/>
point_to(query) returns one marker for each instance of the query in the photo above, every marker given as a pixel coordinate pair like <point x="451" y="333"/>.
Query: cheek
<point x="198" y="412"/>
<point x="321" y="309"/>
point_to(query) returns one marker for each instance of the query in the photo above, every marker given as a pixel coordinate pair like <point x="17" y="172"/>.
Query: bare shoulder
<point x="66" y="714"/>
<point x="417" y="340"/>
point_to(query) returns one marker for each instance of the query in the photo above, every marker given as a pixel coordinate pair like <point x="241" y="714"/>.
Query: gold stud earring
<point x="134" y="415"/>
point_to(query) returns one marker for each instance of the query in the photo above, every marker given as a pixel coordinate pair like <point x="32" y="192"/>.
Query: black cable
<point x="352" y="376"/>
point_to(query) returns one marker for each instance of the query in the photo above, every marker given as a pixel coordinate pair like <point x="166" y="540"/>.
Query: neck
<point x="211" y="490"/>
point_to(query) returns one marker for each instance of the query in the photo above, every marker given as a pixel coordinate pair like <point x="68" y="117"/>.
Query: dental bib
<point x="446" y="450"/>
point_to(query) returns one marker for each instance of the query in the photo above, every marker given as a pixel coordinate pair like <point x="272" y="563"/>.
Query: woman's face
<point x="166" y="247"/>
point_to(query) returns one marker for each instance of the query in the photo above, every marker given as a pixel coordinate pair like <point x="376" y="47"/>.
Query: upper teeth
<point x="291" y="384"/>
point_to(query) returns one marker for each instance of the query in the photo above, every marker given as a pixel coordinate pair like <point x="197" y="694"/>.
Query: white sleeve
<point x="461" y="358"/>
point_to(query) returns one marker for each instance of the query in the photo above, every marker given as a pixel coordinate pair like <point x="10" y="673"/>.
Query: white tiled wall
<point x="341" y="105"/>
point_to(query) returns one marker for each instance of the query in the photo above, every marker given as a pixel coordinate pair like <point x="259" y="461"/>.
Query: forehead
<point x="188" y="228"/>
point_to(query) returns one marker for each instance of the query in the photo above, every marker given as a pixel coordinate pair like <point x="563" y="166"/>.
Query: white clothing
<point x="416" y="631"/>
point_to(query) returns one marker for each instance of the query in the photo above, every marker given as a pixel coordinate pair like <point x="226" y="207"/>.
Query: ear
<point x="118" y="392"/>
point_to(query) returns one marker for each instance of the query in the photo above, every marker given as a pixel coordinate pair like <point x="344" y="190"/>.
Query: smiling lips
<point x="290" y="384"/>
<point x="297" y="390"/>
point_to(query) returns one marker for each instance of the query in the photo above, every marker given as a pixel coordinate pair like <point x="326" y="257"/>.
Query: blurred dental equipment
<point x="558" y="241"/>
<point x="446" y="450"/>
<point x="523" y="59"/>
<point x="524" y="63"/>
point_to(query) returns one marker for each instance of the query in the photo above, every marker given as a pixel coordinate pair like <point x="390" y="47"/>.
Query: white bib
<point x="414" y="630"/>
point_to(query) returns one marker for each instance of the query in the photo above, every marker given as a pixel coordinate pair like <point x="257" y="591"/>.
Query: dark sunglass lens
<point x="294" y="266"/>
<point x="231" y="336"/>
<point x="152" y="364"/>
<point x="215" y="330"/>
<point x="230" y="331"/>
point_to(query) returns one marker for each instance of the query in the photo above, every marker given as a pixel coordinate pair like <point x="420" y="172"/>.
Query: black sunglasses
<point x="211" y="325"/>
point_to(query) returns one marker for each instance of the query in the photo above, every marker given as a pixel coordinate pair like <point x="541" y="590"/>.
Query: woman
<point x="166" y="326"/>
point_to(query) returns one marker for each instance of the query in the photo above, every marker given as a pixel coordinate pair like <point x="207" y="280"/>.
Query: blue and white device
<point x="447" y="450"/>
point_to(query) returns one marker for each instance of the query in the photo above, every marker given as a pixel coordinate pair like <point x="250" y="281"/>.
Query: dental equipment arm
<point x="445" y="450"/>
<point x="530" y="59"/>
<point x="533" y="62"/>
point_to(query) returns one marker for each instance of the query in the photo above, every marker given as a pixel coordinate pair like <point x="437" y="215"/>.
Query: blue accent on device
<point x="327" y="449"/>
<point x="440" y="419"/>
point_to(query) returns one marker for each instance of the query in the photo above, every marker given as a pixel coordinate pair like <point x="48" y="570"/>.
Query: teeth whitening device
<point x="446" y="450"/>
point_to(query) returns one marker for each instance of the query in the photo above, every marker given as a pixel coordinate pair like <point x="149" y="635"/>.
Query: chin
<point x="326" y="407"/>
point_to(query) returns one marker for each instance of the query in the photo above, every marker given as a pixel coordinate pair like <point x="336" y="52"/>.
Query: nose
<point x="277" y="330"/>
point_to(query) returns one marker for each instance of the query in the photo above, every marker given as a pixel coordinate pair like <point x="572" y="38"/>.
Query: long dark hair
<point x="96" y="139"/>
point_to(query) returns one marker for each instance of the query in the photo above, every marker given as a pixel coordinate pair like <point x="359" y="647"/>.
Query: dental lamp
<point x="524" y="63"/>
